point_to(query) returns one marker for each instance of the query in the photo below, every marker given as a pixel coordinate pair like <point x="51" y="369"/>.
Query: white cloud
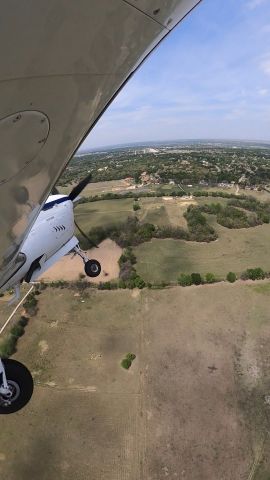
<point x="263" y="92"/>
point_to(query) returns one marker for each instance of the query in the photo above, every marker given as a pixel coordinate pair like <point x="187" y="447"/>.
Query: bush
<point x="131" y="356"/>
<point x="231" y="277"/>
<point x="30" y="305"/>
<point x="253" y="274"/>
<point x="8" y="346"/>
<point x="17" y="330"/>
<point x="136" y="207"/>
<point x="104" y="286"/>
<point x="198" y="227"/>
<point x="196" y="278"/>
<point x="122" y="284"/>
<point x="184" y="280"/>
<point x="126" y="363"/>
<point x="139" y="282"/>
<point x="127" y="256"/>
<point x="231" y="217"/>
<point x="23" y="321"/>
<point x="210" y="278"/>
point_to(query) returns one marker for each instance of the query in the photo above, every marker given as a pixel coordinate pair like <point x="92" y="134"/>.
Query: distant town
<point x="242" y="165"/>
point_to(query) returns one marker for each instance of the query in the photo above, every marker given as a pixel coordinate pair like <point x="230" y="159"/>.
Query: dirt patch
<point x="69" y="267"/>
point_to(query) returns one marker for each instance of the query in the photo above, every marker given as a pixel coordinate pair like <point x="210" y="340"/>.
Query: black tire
<point x="22" y="382"/>
<point x="92" y="268"/>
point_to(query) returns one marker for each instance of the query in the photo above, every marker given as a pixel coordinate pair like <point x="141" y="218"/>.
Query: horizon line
<point x="154" y="142"/>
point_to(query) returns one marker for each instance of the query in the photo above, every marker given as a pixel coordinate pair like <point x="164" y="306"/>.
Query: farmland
<point x="193" y="404"/>
<point x="164" y="259"/>
<point x="105" y="212"/>
<point x="235" y="250"/>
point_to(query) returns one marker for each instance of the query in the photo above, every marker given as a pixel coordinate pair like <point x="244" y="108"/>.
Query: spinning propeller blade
<point x="75" y="192"/>
<point x="79" y="188"/>
<point x="85" y="236"/>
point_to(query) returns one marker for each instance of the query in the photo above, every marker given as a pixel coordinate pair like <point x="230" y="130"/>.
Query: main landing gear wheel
<point x="92" y="268"/>
<point x="21" y="386"/>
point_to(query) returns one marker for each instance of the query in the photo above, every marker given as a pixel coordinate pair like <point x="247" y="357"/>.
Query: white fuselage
<point x="51" y="237"/>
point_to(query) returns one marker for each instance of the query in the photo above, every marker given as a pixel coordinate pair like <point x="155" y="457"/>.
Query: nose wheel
<point x="92" y="268"/>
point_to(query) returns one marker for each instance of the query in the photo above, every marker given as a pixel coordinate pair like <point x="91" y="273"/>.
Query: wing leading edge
<point x="60" y="68"/>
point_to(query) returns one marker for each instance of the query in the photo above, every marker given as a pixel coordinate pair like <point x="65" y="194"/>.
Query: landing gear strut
<point x="92" y="267"/>
<point x="16" y="386"/>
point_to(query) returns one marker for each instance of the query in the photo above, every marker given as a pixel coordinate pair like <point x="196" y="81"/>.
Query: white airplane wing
<point x="62" y="63"/>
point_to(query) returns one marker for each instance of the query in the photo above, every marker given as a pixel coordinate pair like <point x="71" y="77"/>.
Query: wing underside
<point x="62" y="62"/>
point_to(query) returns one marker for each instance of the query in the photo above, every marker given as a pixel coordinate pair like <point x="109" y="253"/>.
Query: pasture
<point x="103" y="213"/>
<point x="98" y="188"/>
<point x="160" y="211"/>
<point x="194" y="404"/>
<point x="234" y="250"/>
<point x="164" y="260"/>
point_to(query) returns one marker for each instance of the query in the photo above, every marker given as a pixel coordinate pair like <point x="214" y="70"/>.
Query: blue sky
<point x="210" y="78"/>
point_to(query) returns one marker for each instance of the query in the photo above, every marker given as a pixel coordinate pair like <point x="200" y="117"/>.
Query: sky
<point x="210" y="78"/>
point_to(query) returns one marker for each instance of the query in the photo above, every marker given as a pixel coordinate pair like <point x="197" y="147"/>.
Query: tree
<point x="253" y="274"/>
<point x="139" y="282"/>
<point x="231" y="277"/>
<point x="196" y="278"/>
<point x="184" y="280"/>
<point x="210" y="278"/>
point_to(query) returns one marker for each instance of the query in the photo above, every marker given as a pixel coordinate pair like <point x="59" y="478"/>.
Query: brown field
<point x="70" y="266"/>
<point x="98" y="188"/>
<point x="194" y="404"/>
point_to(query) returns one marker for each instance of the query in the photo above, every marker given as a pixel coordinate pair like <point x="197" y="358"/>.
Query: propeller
<point x="75" y="192"/>
<point x="85" y="236"/>
<point x="79" y="188"/>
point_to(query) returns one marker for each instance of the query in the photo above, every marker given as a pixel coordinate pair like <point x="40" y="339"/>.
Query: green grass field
<point x="235" y="250"/>
<point x="104" y="212"/>
<point x="164" y="260"/>
<point x="153" y="210"/>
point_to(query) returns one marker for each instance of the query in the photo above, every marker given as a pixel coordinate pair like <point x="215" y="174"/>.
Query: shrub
<point x="122" y="284"/>
<point x="184" y="280"/>
<point x="210" y="278"/>
<point x="30" y="305"/>
<point x="231" y="277"/>
<point x="136" y="207"/>
<point x="8" y="346"/>
<point x="105" y="286"/>
<point x="253" y="274"/>
<point x="127" y="256"/>
<point x="23" y="321"/>
<point x="126" y="363"/>
<point x="198" y="227"/>
<point x="139" y="282"/>
<point x="196" y="278"/>
<point x="131" y="356"/>
<point x="17" y="330"/>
